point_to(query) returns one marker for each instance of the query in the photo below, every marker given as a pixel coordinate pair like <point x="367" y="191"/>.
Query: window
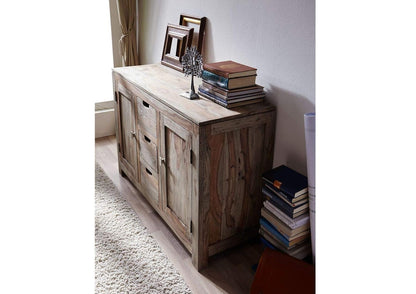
<point x="100" y="51"/>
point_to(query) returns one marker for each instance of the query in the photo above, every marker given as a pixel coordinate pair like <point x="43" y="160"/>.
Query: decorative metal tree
<point x="192" y="65"/>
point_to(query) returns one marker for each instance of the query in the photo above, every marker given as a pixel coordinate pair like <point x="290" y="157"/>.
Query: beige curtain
<point x="128" y="44"/>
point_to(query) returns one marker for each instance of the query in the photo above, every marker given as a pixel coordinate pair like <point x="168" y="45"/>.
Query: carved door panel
<point x="176" y="174"/>
<point x="126" y="134"/>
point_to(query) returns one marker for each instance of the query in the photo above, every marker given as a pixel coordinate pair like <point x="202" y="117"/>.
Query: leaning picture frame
<point x="198" y="23"/>
<point x="176" y="36"/>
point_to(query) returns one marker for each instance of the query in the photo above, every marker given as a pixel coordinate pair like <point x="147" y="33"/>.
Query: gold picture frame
<point x="198" y="23"/>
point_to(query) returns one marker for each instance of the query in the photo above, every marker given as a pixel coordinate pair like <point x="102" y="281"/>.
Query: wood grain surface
<point x="169" y="84"/>
<point x="200" y="164"/>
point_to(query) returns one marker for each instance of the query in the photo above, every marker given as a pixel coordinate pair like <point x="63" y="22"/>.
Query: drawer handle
<point x="146" y="104"/>
<point x="148" y="171"/>
<point x="146" y="138"/>
<point x="133" y="134"/>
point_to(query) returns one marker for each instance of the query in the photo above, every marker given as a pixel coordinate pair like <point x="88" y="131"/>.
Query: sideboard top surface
<point x="166" y="85"/>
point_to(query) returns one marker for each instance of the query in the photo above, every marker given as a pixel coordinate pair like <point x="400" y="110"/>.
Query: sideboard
<point x="197" y="163"/>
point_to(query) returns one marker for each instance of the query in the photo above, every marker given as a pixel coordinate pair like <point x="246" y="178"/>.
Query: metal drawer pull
<point x="148" y="171"/>
<point x="146" y="138"/>
<point x="146" y="104"/>
<point x="162" y="160"/>
<point x="133" y="133"/>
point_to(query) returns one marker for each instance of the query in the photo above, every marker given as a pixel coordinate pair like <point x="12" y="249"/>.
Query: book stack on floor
<point x="230" y="84"/>
<point x="284" y="222"/>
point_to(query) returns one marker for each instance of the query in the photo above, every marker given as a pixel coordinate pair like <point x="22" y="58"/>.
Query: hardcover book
<point x="230" y="69"/>
<point x="256" y="89"/>
<point x="281" y="203"/>
<point x="204" y="90"/>
<point x="293" y="223"/>
<point x="288" y="214"/>
<point x="286" y="179"/>
<point x="232" y="98"/>
<point x="265" y="225"/>
<point x="299" y="250"/>
<point x="230" y="105"/>
<point x="286" y="231"/>
<point x="232" y="83"/>
<point x="283" y="206"/>
<point x="294" y="202"/>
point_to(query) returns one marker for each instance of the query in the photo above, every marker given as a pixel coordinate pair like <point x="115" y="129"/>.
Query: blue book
<point x="269" y="227"/>
<point x="232" y="83"/>
<point x="215" y="79"/>
<point x="286" y="208"/>
<point x="226" y="103"/>
<point x="292" y="201"/>
<point x="287" y="180"/>
<point x="206" y="91"/>
<point x="203" y="91"/>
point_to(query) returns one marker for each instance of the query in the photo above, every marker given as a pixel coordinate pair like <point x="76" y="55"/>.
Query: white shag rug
<point x="127" y="258"/>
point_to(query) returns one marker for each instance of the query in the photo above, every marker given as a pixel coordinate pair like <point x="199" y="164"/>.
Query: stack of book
<point x="230" y="84"/>
<point x="284" y="222"/>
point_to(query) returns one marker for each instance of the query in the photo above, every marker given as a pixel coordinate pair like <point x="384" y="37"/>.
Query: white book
<point x="293" y="223"/>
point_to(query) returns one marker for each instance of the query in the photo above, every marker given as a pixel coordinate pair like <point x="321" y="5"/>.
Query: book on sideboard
<point x="228" y="104"/>
<point x="233" y="99"/>
<point x="287" y="180"/>
<point x="230" y="69"/>
<point x="227" y="94"/>
<point x="230" y="83"/>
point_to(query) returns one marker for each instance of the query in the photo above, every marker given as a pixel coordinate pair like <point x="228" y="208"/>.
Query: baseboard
<point x="105" y="123"/>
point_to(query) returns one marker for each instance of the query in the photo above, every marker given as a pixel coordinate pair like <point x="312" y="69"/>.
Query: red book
<point x="230" y="69"/>
<point x="280" y="273"/>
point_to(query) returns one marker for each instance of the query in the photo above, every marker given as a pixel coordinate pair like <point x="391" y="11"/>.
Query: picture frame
<point x="176" y="36"/>
<point x="198" y="23"/>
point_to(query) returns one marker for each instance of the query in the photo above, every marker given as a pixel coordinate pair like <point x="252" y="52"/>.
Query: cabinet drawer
<point x="147" y="118"/>
<point x="149" y="182"/>
<point x="148" y="151"/>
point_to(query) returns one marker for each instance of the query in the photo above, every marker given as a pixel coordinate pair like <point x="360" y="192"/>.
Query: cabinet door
<point x="176" y="174"/>
<point x="126" y="135"/>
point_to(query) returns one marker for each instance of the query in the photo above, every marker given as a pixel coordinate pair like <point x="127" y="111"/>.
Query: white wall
<point x="275" y="36"/>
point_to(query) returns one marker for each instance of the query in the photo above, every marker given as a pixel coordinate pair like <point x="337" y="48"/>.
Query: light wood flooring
<point x="227" y="272"/>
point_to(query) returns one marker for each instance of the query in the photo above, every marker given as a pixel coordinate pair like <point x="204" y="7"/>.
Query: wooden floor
<point x="227" y="272"/>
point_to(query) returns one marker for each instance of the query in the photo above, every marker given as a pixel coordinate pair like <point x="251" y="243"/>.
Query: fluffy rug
<point x="127" y="258"/>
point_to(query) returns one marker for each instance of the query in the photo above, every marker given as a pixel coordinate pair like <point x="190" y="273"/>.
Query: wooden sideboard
<point x="197" y="163"/>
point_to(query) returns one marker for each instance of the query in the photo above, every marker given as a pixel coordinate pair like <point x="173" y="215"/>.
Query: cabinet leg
<point x="200" y="259"/>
